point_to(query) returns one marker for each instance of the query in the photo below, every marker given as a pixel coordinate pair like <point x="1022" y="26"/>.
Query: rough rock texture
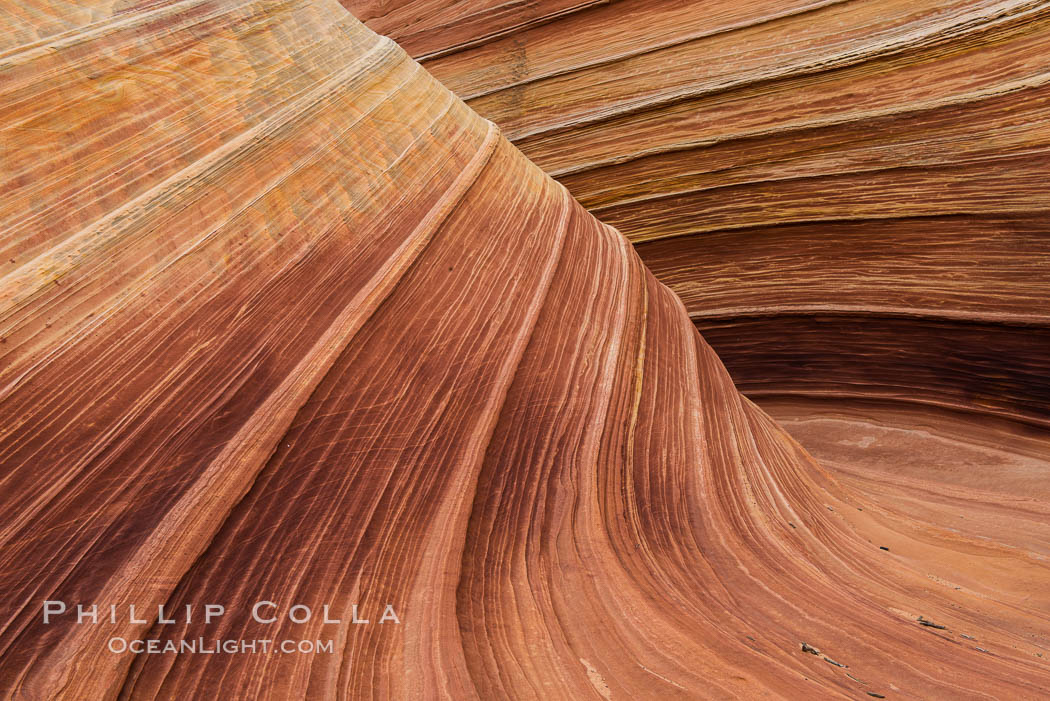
<point x="284" y="320"/>
<point x="842" y="193"/>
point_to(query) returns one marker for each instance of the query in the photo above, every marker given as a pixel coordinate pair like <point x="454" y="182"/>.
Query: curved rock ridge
<point x="838" y="191"/>
<point x="284" y="321"/>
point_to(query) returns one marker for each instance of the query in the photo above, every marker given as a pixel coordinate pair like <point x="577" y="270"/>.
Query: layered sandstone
<point x="284" y="320"/>
<point x="849" y="197"/>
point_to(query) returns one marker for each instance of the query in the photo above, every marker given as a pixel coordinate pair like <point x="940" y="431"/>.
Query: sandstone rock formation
<point x="849" y="197"/>
<point x="284" y="321"/>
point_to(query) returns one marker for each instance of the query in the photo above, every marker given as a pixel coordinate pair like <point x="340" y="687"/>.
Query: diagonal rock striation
<point x="284" y="322"/>
<point x="848" y="196"/>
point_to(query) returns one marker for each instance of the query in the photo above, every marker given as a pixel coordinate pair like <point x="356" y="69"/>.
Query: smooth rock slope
<point x="283" y="320"/>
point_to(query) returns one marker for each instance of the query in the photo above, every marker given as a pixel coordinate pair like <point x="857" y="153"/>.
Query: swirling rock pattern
<point x="842" y="193"/>
<point x="282" y="319"/>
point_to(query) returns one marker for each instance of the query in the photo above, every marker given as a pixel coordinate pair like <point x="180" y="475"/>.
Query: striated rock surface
<point x="849" y="197"/>
<point x="283" y="320"/>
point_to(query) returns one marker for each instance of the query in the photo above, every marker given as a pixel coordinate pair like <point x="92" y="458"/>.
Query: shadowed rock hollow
<point x="849" y="197"/>
<point x="284" y="320"/>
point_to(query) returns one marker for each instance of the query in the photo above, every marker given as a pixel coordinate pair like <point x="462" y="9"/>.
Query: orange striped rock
<point x="298" y="348"/>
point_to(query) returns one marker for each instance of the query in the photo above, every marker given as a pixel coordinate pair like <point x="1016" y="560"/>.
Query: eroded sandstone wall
<point x="285" y="320"/>
<point x="849" y="197"/>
